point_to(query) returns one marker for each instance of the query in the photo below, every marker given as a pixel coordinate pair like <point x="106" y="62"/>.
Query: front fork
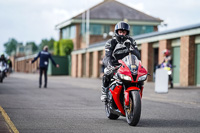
<point x="127" y="92"/>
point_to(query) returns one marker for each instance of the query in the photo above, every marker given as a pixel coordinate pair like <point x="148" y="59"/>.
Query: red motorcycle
<point x="125" y="90"/>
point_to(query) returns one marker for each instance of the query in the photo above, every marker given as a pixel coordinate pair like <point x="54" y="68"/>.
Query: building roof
<point x="114" y="10"/>
<point x="184" y="28"/>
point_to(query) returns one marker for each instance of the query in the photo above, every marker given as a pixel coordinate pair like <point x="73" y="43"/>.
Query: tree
<point x="43" y="43"/>
<point x="34" y="46"/>
<point x="47" y="42"/>
<point x="10" y="46"/>
<point x="51" y="42"/>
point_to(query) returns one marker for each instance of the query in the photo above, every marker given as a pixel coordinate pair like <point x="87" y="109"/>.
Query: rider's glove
<point x="132" y="48"/>
<point x="109" y="70"/>
<point x="127" y="43"/>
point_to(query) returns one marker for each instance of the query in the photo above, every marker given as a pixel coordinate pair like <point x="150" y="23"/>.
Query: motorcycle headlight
<point x="169" y="72"/>
<point x="125" y="77"/>
<point x="142" y="78"/>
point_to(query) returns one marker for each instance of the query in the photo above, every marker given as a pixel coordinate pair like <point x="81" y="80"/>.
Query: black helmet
<point x="122" y="26"/>
<point x="2" y="55"/>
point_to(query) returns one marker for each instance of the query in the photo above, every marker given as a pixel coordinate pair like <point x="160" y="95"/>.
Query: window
<point x="21" y="49"/>
<point x="69" y="32"/>
<point x="106" y="29"/>
<point x="141" y="29"/>
<point x="72" y="31"/>
<point x="65" y="33"/>
<point x="96" y="29"/>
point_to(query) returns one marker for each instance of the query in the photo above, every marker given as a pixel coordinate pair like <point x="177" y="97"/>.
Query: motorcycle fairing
<point x="124" y="69"/>
<point x="141" y="71"/>
<point x="116" y="97"/>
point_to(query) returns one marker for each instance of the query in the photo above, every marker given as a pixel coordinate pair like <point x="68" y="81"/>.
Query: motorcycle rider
<point x="4" y="62"/>
<point x="167" y="64"/>
<point x="116" y="49"/>
<point x="3" y="59"/>
<point x="167" y="56"/>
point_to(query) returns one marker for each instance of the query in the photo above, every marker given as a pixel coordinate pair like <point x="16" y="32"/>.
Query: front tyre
<point x="134" y="111"/>
<point x="109" y="114"/>
<point x="1" y="77"/>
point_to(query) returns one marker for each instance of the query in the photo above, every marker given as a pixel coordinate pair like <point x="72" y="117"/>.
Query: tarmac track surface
<point x="72" y="105"/>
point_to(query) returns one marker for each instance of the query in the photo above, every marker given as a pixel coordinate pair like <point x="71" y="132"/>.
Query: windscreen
<point x="132" y="63"/>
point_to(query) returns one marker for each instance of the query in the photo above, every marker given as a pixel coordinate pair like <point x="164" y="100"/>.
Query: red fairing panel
<point x="141" y="91"/>
<point x="141" y="70"/>
<point x="127" y="94"/>
<point x="124" y="69"/>
<point x="116" y="95"/>
<point x="126" y="98"/>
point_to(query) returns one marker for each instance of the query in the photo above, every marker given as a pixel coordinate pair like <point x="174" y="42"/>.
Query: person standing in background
<point x="102" y="66"/>
<point x="167" y="65"/>
<point x="9" y="62"/>
<point x="44" y="56"/>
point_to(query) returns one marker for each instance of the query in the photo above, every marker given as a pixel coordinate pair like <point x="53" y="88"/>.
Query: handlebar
<point x="117" y="67"/>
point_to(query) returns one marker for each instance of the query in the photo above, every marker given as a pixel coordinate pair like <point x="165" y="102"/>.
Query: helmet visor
<point x="123" y="26"/>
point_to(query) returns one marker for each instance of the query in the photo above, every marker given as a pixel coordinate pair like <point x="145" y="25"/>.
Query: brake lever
<point x="117" y="67"/>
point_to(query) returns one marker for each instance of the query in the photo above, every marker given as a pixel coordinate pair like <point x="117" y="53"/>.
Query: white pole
<point x="83" y="26"/>
<point x="88" y="28"/>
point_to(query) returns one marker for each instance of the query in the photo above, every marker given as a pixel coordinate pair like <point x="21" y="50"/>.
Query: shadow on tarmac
<point x="186" y="88"/>
<point x="168" y="123"/>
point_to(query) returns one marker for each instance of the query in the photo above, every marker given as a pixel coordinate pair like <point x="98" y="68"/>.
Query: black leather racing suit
<point x="115" y="51"/>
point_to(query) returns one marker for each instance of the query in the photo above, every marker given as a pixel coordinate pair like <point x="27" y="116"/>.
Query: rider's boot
<point x="105" y="86"/>
<point x="171" y="82"/>
<point x="172" y="86"/>
<point x="104" y="94"/>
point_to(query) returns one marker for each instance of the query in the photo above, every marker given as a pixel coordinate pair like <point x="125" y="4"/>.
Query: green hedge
<point x="56" y="48"/>
<point x="63" y="47"/>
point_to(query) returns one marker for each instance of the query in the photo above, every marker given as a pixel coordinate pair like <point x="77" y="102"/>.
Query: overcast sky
<point x="34" y="20"/>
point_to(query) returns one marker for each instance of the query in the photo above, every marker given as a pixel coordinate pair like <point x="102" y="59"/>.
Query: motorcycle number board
<point x="161" y="81"/>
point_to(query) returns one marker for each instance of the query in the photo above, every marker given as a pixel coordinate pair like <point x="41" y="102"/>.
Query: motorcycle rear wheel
<point x="109" y="114"/>
<point x="134" y="111"/>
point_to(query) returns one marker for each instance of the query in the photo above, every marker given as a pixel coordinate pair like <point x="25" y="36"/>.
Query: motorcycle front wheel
<point x="134" y="111"/>
<point x="109" y="114"/>
<point x="1" y="77"/>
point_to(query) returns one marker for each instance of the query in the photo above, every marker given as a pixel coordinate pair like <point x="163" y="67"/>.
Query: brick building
<point x="102" y="20"/>
<point x="184" y="44"/>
